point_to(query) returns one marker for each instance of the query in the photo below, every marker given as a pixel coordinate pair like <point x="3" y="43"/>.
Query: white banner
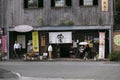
<point x="60" y="37"/>
<point x="101" y="45"/>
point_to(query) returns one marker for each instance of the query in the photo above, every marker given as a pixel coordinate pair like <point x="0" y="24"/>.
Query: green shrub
<point x="114" y="56"/>
<point x="69" y="23"/>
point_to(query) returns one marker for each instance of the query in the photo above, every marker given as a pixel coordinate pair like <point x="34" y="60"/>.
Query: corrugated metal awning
<point x="56" y="28"/>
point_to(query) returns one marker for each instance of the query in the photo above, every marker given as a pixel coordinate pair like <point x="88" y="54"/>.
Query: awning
<point x="56" y="28"/>
<point x="23" y="28"/>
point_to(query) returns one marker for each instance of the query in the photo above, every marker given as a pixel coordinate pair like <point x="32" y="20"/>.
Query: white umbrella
<point x="23" y="28"/>
<point x="83" y="43"/>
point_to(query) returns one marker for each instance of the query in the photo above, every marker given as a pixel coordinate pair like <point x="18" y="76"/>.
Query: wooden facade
<point x="76" y="18"/>
<point x="16" y="14"/>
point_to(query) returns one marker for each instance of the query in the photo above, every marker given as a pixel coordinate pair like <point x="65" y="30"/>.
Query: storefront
<point x="61" y="38"/>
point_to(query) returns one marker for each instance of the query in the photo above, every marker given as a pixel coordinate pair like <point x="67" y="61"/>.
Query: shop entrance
<point x="64" y="50"/>
<point x="61" y="50"/>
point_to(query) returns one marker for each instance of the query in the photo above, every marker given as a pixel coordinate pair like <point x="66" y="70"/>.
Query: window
<point x="33" y="3"/>
<point x="60" y="3"/>
<point x="88" y="2"/>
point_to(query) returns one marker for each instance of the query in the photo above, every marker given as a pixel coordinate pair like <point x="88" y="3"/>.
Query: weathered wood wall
<point x="0" y="12"/>
<point x="3" y="13"/>
<point x="81" y="15"/>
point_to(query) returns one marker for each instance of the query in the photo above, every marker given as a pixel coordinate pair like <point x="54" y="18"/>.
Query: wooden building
<point x="76" y="20"/>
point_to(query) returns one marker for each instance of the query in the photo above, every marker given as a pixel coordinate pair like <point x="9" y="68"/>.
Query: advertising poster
<point x="101" y="45"/>
<point x="35" y="42"/>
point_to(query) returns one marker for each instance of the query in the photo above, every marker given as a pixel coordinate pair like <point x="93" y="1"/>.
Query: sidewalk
<point x="57" y="59"/>
<point x="8" y="75"/>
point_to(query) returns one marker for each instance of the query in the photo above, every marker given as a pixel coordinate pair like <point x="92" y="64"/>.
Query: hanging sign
<point x="43" y="43"/>
<point x="60" y="37"/>
<point x="4" y="44"/>
<point x="101" y="45"/>
<point x="35" y="43"/>
<point x="104" y="5"/>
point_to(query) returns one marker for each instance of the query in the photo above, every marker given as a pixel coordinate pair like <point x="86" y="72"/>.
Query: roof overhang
<point x="56" y="28"/>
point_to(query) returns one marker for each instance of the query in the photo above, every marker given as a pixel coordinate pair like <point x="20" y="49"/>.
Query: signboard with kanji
<point x="104" y="5"/>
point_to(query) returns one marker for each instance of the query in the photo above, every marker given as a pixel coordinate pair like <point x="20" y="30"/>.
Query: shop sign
<point x="117" y="40"/>
<point x="101" y="45"/>
<point x="43" y="41"/>
<point x="60" y="37"/>
<point x="104" y="5"/>
<point x="35" y="42"/>
<point x="4" y="44"/>
<point x="23" y="28"/>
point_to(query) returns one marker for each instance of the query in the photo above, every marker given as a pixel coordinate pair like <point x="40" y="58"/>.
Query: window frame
<point x="88" y="2"/>
<point x="40" y="4"/>
<point x="94" y="3"/>
<point x="59" y="3"/>
<point x="67" y="3"/>
<point x="35" y="5"/>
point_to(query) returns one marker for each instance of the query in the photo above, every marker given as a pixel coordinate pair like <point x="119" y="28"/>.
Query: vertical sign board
<point x="43" y="43"/>
<point x="104" y="5"/>
<point x="4" y="44"/>
<point x="101" y="45"/>
<point x="35" y="42"/>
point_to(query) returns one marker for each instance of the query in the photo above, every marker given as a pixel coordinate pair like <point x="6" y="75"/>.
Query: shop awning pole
<point x="110" y="41"/>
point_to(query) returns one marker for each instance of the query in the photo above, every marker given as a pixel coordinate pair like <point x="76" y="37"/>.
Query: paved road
<point x="8" y="75"/>
<point x="65" y="70"/>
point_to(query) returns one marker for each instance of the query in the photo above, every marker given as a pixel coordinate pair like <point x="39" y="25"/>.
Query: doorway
<point x="64" y="50"/>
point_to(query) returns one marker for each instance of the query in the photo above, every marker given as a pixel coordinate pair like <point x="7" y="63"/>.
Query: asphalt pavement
<point x="8" y="75"/>
<point x="59" y="70"/>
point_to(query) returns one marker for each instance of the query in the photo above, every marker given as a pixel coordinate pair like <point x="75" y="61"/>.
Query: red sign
<point x="4" y="44"/>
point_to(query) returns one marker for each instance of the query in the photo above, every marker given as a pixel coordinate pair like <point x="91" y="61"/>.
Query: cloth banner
<point x="4" y="44"/>
<point x="35" y="42"/>
<point x="101" y="45"/>
<point x="60" y="37"/>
